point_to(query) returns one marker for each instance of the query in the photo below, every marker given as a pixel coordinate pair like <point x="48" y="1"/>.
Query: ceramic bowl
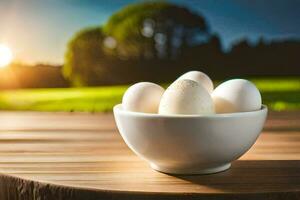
<point x="190" y="144"/>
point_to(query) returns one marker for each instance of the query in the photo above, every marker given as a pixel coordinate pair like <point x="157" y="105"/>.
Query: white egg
<point x="142" y="97"/>
<point x="186" y="97"/>
<point x="199" y="77"/>
<point x="237" y="95"/>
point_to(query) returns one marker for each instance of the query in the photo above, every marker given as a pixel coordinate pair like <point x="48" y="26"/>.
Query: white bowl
<point x="190" y="144"/>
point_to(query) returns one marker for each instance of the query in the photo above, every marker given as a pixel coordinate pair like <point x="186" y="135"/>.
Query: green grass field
<point x="278" y="93"/>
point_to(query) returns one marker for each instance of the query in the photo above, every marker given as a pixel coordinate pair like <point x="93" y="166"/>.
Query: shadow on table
<point x="253" y="176"/>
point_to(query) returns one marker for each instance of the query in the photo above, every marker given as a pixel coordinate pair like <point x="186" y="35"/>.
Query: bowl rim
<point x="118" y="109"/>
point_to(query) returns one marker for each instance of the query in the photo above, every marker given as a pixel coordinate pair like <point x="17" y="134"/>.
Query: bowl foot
<point x="191" y="171"/>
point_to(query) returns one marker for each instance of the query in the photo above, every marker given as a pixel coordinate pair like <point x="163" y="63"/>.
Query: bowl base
<point x="191" y="171"/>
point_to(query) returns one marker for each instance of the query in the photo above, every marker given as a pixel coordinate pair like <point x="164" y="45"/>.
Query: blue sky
<point x="38" y="30"/>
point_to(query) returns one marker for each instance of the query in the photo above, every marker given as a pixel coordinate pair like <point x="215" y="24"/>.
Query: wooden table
<point x="82" y="156"/>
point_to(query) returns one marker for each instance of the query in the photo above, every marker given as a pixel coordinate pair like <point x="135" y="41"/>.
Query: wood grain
<point x="82" y="156"/>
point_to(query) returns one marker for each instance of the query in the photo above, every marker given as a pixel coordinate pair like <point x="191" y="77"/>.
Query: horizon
<point x="46" y="26"/>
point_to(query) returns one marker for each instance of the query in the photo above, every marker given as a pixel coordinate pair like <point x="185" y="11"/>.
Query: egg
<point x="199" y="77"/>
<point x="186" y="97"/>
<point x="237" y="95"/>
<point x="142" y="97"/>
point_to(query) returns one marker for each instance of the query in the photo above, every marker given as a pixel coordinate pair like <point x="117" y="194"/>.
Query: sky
<point x="38" y="31"/>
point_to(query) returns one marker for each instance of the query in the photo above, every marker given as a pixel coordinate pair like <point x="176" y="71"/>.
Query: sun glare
<point x="6" y="55"/>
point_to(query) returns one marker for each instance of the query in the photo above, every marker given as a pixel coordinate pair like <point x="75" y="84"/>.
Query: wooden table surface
<point x="82" y="156"/>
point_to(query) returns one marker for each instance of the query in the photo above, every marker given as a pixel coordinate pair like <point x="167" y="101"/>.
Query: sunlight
<point x="6" y="55"/>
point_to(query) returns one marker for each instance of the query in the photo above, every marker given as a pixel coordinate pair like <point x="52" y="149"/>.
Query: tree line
<point x="155" y="41"/>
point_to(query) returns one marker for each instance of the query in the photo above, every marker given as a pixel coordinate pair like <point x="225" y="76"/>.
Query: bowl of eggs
<point x="191" y="128"/>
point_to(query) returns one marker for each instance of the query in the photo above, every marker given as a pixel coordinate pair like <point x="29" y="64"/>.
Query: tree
<point x="83" y="57"/>
<point x="138" y="43"/>
<point x="155" y="30"/>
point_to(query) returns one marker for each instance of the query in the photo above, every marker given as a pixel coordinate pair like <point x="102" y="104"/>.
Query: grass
<point x="278" y="93"/>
